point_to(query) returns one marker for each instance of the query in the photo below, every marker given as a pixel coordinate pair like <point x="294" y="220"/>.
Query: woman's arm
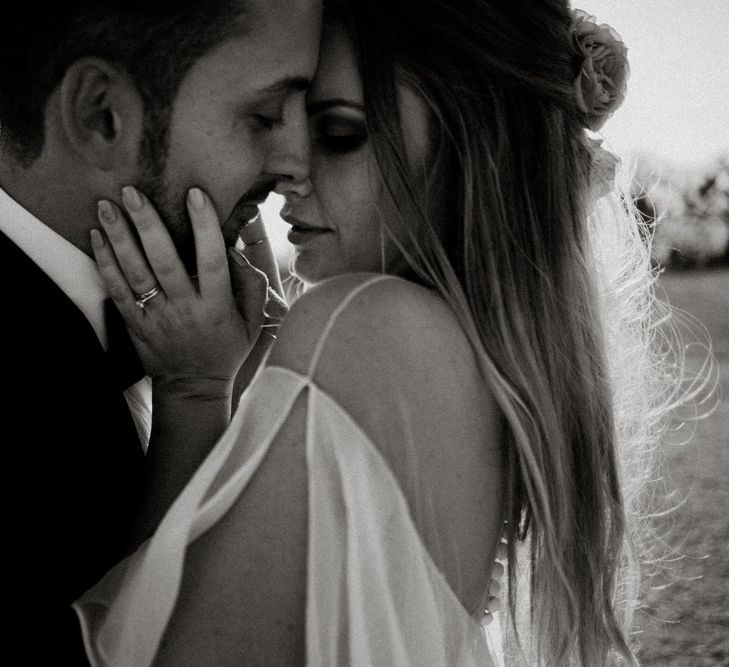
<point x="243" y="593"/>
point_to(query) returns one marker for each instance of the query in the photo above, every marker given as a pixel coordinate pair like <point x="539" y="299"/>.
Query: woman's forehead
<point x="337" y="75"/>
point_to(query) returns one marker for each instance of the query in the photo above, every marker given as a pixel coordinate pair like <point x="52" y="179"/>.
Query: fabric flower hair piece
<point x="604" y="166"/>
<point x="601" y="83"/>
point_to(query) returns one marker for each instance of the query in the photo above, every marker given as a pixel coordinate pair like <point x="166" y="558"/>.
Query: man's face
<point x="239" y="121"/>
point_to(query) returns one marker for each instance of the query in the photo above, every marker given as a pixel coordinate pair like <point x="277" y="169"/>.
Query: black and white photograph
<point x="369" y="333"/>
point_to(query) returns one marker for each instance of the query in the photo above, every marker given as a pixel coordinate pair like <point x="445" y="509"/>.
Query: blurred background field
<point x="685" y="615"/>
<point x="685" y="618"/>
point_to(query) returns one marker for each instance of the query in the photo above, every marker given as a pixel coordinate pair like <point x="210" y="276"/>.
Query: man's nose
<point x="289" y="161"/>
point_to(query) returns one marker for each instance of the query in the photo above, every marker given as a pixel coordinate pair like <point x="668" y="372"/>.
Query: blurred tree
<point x="688" y="213"/>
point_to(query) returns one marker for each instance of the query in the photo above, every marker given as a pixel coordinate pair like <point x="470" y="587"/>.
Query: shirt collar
<point x="70" y="268"/>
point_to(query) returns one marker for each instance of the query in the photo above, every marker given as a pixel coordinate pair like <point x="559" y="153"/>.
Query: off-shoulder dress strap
<point x="336" y="313"/>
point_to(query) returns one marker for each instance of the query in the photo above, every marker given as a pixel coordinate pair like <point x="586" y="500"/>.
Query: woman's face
<point x="336" y="224"/>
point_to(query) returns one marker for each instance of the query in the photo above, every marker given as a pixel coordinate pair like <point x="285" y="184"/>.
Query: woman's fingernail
<point x="196" y="199"/>
<point x="97" y="240"/>
<point x="106" y="211"/>
<point x="131" y="198"/>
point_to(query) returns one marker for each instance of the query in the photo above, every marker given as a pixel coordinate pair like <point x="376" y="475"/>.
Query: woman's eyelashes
<point x="338" y="135"/>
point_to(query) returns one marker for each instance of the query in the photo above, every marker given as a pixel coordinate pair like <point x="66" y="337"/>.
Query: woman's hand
<point x="262" y="291"/>
<point x="186" y="329"/>
<point x="254" y="246"/>
<point x="191" y="333"/>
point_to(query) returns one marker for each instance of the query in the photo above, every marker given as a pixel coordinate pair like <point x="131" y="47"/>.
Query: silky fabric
<point x="374" y="594"/>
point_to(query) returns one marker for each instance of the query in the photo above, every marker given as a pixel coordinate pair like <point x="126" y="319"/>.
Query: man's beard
<point x="170" y="206"/>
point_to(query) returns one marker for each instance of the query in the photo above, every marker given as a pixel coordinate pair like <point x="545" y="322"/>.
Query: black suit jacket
<point x="72" y="461"/>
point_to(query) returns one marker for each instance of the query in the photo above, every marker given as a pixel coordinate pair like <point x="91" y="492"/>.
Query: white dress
<point x="360" y="534"/>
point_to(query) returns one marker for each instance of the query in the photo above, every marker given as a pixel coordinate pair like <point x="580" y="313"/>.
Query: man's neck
<point x="44" y="194"/>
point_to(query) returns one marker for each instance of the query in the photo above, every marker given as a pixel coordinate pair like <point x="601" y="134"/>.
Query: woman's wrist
<point x="194" y="389"/>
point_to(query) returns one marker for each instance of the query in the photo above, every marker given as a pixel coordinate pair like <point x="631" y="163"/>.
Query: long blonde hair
<point x="555" y="294"/>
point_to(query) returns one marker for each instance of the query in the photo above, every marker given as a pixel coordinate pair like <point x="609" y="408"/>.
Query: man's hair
<point x="154" y="42"/>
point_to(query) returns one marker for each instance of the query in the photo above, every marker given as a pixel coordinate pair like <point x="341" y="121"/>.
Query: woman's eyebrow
<point x="323" y="105"/>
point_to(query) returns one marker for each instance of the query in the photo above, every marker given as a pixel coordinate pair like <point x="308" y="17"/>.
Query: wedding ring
<point x="146" y="296"/>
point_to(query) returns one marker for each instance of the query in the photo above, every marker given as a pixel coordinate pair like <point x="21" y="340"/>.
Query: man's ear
<point x="102" y="113"/>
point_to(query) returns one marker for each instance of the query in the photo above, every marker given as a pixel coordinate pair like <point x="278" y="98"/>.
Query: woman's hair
<point x="554" y="292"/>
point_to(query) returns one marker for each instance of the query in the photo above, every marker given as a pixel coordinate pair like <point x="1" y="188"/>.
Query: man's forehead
<point x="238" y="68"/>
<point x="299" y="14"/>
<point x="275" y="57"/>
<point x="279" y="51"/>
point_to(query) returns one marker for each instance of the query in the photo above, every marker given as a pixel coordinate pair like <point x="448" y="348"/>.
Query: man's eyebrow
<point x="287" y="84"/>
<point x="323" y="105"/>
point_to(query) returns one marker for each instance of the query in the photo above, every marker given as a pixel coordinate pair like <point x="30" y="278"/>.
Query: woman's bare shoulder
<point x="381" y="347"/>
<point x="399" y="320"/>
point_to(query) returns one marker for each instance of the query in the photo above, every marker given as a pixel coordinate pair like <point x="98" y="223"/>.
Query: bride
<point x="449" y="371"/>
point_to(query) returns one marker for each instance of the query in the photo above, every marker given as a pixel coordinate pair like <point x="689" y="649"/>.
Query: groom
<point x="95" y="95"/>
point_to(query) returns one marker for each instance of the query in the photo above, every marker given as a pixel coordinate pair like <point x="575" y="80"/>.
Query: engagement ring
<point x="146" y="296"/>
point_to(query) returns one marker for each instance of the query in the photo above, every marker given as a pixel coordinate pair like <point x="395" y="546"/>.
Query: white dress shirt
<point x="77" y="276"/>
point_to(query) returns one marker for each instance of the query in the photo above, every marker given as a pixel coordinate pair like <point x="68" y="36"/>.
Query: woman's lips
<point x="298" y="235"/>
<point x="301" y="231"/>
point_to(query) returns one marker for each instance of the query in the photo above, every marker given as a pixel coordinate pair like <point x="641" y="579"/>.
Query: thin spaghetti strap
<point x="333" y="317"/>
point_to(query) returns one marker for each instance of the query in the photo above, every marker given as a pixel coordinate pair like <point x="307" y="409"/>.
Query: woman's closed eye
<point x="338" y="135"/>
